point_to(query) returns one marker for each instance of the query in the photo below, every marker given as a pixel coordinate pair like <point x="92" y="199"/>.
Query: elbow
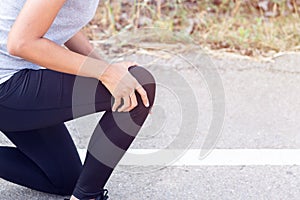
<point x="16" y="46"/>
<point x="12" y="50"/>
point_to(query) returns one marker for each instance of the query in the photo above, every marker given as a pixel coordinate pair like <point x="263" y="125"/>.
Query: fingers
<point x="125" y="90"/>
<point x="129" y="103"/>
<point x="117" y="103"/>
<point x="134" y="102"/>
<point x="143" y="94"/>
<point x="126" y="104"/>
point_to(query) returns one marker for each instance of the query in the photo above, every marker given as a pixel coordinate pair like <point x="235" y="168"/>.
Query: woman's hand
<point x="122" y="85"/>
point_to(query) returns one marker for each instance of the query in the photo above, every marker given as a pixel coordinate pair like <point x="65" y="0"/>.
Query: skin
<point x="26" y="41"/>
<point x="80" y="44"/>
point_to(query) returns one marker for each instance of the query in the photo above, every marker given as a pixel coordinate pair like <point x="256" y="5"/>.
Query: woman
<point x="37" y="80"/>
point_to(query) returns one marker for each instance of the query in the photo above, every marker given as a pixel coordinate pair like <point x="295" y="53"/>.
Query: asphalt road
<point x="262" y="111"/>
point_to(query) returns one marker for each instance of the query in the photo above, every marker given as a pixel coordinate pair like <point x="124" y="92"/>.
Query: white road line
<point x="223" y="157"/>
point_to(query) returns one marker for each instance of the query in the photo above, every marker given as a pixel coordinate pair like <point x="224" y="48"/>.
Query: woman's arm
<point x="26" y="40"/>
<point x="80" y="44"/>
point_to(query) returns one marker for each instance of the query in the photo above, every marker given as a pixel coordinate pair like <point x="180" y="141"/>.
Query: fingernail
<point x="147" y="104"/>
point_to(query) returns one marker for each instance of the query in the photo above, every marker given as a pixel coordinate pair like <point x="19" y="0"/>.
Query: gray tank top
<point x="71" y="18"/>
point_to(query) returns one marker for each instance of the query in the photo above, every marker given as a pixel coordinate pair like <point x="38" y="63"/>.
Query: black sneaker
<point x="102" y="195"/>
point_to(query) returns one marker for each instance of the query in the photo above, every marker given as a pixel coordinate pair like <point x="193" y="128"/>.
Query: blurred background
<point x="251" y="28"/>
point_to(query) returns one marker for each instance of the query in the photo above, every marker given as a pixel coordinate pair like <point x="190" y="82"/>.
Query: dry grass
<point x="245" y="27"/>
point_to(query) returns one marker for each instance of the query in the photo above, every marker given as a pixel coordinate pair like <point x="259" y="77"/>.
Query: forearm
<point x="26" y="40"/>
<point x="79" y="43"/>
<point x="52" y="56"/>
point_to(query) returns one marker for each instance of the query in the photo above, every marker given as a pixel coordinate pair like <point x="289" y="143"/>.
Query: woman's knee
<point x="146" y="79"/>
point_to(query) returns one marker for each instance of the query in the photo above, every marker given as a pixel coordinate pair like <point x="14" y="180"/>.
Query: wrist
<point x="104" y="75"/>
<point x="94" y="68"/>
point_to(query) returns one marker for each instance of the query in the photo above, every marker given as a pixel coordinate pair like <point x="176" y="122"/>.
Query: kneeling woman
<point x="39" y="81"/>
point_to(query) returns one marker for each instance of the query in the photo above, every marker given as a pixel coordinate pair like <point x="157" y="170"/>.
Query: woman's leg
<point x="41" y="160"/>
<point x="111" y="139"/>
<point x="43" y="98"/>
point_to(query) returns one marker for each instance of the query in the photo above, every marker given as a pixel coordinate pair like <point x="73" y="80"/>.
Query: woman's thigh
<point x="34" y="99"/>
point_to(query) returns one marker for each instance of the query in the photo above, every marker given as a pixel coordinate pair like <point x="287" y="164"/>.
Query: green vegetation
<point x="252" y="28"/>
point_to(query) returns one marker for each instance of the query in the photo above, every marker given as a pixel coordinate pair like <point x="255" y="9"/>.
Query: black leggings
<point x="34" y="104"/>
